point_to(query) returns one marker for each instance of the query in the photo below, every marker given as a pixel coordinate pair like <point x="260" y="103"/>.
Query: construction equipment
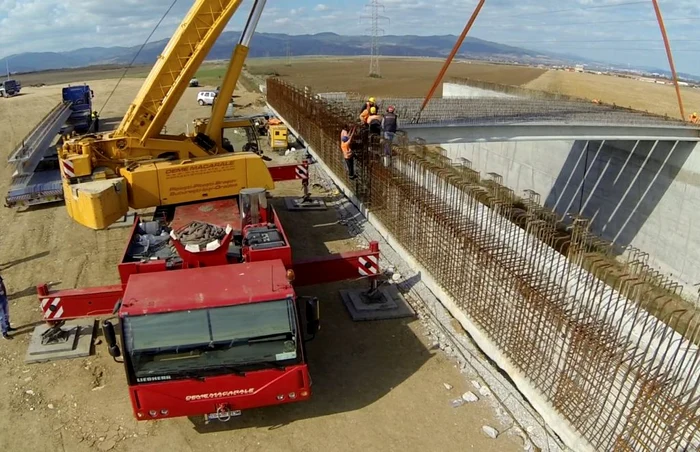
<point x="9" y="88"/>
<point x="37" y="177"/>
<point x="208" y="319"/>
<point x="278" y="134"/>
<point x="137" y="166"/>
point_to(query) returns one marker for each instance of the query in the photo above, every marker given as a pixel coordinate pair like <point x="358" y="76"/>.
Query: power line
<point x="375" y="31"/>
<point x="629" y="49"/>
<point x="597" y="22"/>
<point x="581" y="8"/>
<point x="288" y="51"/>
<point x="594" y="40"/>
<point x="133" y="60"/>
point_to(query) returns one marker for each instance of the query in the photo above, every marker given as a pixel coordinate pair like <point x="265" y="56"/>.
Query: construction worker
<point x="389" y="125"/>
<point x="4" y="312"/>
<point x="364" y="115"/>
<point x="94" y="121"/>
<point x="346" y="149"/>
<point x="374" y="121"/>
<point x="371" y="102"/>
<point x="694" y="118"/>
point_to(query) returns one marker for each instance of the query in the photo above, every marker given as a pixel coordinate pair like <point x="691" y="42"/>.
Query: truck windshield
<point x="210" y="341"/>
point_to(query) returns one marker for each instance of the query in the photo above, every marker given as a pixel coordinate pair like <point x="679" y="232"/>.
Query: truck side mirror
<point x="111" y="338"/>
<point x="313" y="324"/>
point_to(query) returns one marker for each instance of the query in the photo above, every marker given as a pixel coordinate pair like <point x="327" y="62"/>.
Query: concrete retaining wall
<point x="645" y="194"/>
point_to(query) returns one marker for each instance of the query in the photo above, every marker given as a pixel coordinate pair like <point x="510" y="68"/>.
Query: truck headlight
<point x="153" y="413"/>
<point x="292" y="395"/>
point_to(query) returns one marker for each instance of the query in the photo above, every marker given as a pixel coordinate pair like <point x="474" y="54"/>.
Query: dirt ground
<point x="626" y="92"/>
<point x="400" y="77"/>
<point x="79" y="75"/>
<point x="378" y="386"/>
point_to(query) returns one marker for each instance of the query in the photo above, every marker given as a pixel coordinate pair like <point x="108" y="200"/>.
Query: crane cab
<point x="238" y="134"/>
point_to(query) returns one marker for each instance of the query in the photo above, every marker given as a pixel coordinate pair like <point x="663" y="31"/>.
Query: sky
<point x="618" y="31"/>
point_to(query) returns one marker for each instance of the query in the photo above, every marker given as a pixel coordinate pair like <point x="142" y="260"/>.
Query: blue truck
<point x="9" y="88"/>
<point x="37" y="176"/>
<point x="80" y="100"/>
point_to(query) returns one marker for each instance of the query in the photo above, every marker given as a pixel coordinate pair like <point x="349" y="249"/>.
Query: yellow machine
<point x="137" y="166"/>
<point x="278" y="137"/>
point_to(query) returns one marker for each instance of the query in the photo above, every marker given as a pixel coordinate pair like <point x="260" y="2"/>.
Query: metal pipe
<point x="456" y="47"/>
<point x="252" y="23"/>
<point x="233" y="73"/>
<point x="662" y="27"/>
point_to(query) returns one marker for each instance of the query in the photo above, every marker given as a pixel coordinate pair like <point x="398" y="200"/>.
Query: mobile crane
<point x="208" y="319"/>
<point x="137" y="166"/>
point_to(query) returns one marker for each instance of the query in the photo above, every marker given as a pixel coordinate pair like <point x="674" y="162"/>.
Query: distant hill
<point x="275" y="45"/>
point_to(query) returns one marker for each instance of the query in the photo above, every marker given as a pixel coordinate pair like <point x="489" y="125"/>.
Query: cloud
<point x="625" y="33"/>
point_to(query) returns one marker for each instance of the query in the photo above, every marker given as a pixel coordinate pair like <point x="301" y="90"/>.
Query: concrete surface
<point x="457" y="131"/>
<point x="298" y="204"/>
<point x="77" y="345"/>
<point x="392" y="304"/>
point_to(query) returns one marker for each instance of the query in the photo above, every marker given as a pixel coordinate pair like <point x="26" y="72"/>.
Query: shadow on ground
<point x="22" y="260"/>
<point x="352" y="364"/>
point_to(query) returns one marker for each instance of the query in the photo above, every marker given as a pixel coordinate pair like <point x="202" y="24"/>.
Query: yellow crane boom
<point x="137" y="166"/>
<point x="181" y="58"/>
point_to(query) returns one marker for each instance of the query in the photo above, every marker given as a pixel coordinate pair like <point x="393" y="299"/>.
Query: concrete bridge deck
<point x="455" y="120"/>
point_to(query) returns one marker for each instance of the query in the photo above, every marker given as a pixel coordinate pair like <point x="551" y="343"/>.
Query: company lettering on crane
<point x="218" y="395"/>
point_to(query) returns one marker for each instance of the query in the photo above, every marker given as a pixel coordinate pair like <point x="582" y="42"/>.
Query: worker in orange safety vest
<point x="346" y="149"/>
<point x="371" y="102"/>
<point x="374" y="121"/>
<point x="694" y="118"/>
<point x="364" y="115"/>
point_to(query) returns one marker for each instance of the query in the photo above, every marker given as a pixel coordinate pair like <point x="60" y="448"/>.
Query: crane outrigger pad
<point x="386" y="302"/>
<point x="64" y="340"/>
<point x="297" y="204"/>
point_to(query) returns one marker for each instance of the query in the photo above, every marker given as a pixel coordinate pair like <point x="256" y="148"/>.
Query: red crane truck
<point x="215" y="327"/>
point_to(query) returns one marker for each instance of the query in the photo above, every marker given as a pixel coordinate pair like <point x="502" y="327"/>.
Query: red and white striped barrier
<point x="67" y="168"/>
<point x="368" y="266"/>
<point x="52" y="308"/>
<point x="302" y="172"/>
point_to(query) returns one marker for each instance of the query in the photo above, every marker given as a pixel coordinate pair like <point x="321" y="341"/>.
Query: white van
<point x="206" y="98"/>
